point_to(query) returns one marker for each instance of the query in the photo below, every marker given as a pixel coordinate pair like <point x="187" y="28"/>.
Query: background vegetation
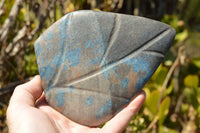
<point x="173" y="93"/>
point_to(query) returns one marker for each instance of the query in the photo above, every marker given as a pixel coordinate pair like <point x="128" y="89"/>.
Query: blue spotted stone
<point x="93" y="63"/>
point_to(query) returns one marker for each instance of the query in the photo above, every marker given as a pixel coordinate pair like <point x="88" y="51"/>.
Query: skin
<point x="28" y="112"/>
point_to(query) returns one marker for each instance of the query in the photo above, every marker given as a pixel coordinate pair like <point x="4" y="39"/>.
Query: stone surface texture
<point x="93" y="63"/>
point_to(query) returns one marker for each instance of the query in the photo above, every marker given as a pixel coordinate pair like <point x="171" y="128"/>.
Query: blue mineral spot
<point x="115" y="74"/>
<point x="60" y="98"/>
<point x="88" y="44"/>
<point x="106" y="108"/>
<point x="112" y="88"/>
<point x="65" y="67"/>
<point x="38" y="48"/>
<point x="139" y="63"/>
<point x="126" y="101"/>
<point x="49" y="46"/>
<point x="106" y="75"/>
<point x="142" y="66"/>
<point x="142" y="80"/>
<point x="62" y="33"/>
<point x="47" y="71"/>
<point x="89" y="101"/>
<point x="73" y="57"/>
<point x="49" y="35"/>
<point x="96" y="51"/>
<point x="94" y="61"/>
<point x="61" y="25"/>
<point x="124" y="83"/>
<point x="70" y="89"/>
<point x="55" y="61"/>
<point x="102" y="47"/>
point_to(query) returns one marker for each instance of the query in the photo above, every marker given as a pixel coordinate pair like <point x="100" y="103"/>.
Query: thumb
<point x="121" y="120"/>
<point x="28" y="93"/>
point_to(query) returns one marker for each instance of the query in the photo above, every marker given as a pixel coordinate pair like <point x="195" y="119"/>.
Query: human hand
<point x="28" y="112"/>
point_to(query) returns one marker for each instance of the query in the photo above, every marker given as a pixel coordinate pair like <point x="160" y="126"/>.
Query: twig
<point x="181" y="54"/>
<point x="171" y="70"/>
<point x="179" y="103"/>
<point x="93" y="4"/>
<point x="151" y="124"/>
<point x="120" y="4"/>
<point x="11" y="65"/>
<point x="2" y="3"/>
<point x="1" y="6"/>
<point x="175" y="64"/>
<point x="176" y="79"/>
<point x="9" y="22"/>
<point x="12" y="46"/>
<point x="62" y="6"/>
<point x="42" y="20"/>
<point x="10" y="87"/>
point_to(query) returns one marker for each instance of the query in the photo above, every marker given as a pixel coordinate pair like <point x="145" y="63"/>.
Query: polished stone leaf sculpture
<point x="93" y="63"/>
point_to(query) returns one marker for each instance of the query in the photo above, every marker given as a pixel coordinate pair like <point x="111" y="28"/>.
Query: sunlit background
<point x="173" y="93"/>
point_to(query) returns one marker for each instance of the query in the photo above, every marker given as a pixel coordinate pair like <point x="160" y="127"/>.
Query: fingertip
<point x="144" y="94"/>
<point x="36" y="79"/>
<point x="34" y="87"/>
<point x="141" y="94"/>
<point x="121" y="120"/>
<point x="138" y="99"/>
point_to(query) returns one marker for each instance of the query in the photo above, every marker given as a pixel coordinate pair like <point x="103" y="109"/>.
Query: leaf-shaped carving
<point x="93" y="63"/>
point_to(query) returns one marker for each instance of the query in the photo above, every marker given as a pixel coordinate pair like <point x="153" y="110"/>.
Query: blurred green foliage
<point x="174" y="107"/>
<point x="29" y="62"/>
